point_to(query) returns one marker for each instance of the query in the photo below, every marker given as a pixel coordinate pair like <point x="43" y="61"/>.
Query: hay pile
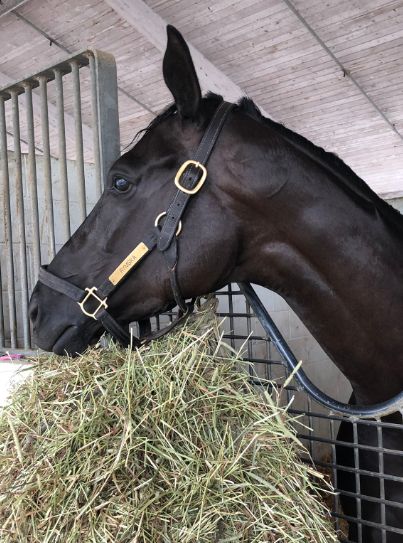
<point x="168" y="444"/>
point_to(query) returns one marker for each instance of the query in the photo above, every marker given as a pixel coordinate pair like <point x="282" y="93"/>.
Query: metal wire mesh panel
<point x="319" y="432"/>
<point x="321" y="436"/>
<point x="59" y="134"/>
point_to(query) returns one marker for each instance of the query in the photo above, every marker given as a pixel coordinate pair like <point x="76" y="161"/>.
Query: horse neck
<point x="338" y="265"/>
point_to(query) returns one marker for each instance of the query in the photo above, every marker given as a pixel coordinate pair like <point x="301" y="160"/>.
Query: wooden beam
<point x="153" y="28"/>
<point x="8" y="5"/>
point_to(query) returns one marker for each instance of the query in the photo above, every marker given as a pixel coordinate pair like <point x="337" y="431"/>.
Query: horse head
<point x="274" y="210"/>
<point x="138" y="189"/>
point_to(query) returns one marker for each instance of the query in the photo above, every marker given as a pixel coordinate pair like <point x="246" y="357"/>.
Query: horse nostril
<point x="33" y="311"/>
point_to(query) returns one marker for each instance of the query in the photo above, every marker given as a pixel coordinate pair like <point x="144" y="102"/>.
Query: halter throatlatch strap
<point x="189" y="179"/>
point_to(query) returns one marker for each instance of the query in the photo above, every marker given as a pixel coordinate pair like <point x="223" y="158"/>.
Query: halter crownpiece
<point x="189" y="180"/>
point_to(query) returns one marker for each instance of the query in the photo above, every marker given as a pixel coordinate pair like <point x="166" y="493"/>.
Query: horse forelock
<point x="209" y="102"/>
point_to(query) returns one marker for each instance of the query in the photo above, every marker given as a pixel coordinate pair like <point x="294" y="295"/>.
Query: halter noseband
<point x="188" y="181"/>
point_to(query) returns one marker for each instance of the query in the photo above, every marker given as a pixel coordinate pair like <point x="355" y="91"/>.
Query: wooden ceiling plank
<point x="350" y="76"/>
<point x="8" y="5"/>
<point x="153" y="28"/>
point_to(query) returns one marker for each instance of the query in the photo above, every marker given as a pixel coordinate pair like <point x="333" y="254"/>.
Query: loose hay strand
<point x="165" y="444"/>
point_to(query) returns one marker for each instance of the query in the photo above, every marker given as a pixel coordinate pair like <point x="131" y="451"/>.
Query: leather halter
<point x="188" y="181"/>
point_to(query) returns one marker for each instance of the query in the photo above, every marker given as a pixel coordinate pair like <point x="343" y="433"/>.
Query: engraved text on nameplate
<point x="128" y="263"/>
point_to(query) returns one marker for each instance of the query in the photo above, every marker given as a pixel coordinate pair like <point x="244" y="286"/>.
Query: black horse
<point x="275" y="210"/>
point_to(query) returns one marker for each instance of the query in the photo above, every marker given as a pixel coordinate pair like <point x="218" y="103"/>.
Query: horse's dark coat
<point x="276" y="211"/>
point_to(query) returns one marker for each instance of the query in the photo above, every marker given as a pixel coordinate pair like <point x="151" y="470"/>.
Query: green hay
<point x="166" y="444"/>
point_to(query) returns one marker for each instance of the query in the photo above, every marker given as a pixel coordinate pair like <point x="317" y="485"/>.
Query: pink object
<point x="8" y="357"/>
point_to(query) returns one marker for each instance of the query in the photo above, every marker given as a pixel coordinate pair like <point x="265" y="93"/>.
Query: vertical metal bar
<point x="253" y="371"/>
<point x="269" y="362"/>
<point x="18" y="189"/>
<point x="79" y="158"/>
<point x="231" y="315"/>
<point x="108" y="110"/>
<point x="333" y="463"/>
<point x="310" y="425"/>
<point x="8" y="236"/>
<point x="32" y="184"/>
<point x="357" y="481"/>
<point x="47" y="172"/>
<point x="99" y="182"/>
<point x="64" y="186"/>
<point x="2" y="332"/>
<point x="381" y="469"/>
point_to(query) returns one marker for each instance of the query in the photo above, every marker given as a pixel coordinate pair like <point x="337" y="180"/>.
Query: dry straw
<point x="166" y="444"/>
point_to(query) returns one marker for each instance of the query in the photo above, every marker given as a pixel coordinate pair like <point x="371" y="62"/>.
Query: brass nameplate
<point x="128" y="263"/>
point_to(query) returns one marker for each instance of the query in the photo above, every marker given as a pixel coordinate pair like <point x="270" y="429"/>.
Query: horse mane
<point x="341" y="173"/>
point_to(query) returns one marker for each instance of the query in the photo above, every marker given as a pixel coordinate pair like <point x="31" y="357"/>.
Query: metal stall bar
<point x="357" y="483"/>
<point x="64" y="186"/>
<point x="382" y="495"/>
<point x="47" y="172"/>
<point x="8" y="236"/>
<point x="59" y="112"/>
<point x="105" y="77"/>
<point x="95" y="116"/>
<point x="32" y="185"/>
<point x="79" y="140"/>
<point x="2" y="332"/>
<point x="19" y="198"/>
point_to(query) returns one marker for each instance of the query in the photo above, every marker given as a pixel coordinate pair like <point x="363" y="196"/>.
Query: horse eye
<point x="121" y="184"/>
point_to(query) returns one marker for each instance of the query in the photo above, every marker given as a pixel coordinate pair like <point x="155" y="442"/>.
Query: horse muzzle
<point x="62" y="331"/>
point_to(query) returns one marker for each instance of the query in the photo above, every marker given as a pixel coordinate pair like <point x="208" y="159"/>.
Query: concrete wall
<point x="397" y="203"/>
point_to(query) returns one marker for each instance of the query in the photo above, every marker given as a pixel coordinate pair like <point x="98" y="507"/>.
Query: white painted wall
<point x="11" y="373"/>
<point x="397" y="203"/>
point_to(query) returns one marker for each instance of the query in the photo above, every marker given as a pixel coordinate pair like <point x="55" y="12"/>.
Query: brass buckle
<point x="159" y="217"/>
<point x="201" y="180"/>
<point x="102" y="303"/>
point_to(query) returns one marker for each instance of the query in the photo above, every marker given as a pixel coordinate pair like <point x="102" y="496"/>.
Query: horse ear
<point x="180" y="74"/>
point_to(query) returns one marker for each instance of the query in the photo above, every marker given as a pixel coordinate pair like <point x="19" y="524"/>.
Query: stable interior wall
<point x="46" y="255"/>
<point x="397" y="203"/>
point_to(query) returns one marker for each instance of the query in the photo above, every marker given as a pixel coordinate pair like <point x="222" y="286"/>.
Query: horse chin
<point x="74" y="341"/>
